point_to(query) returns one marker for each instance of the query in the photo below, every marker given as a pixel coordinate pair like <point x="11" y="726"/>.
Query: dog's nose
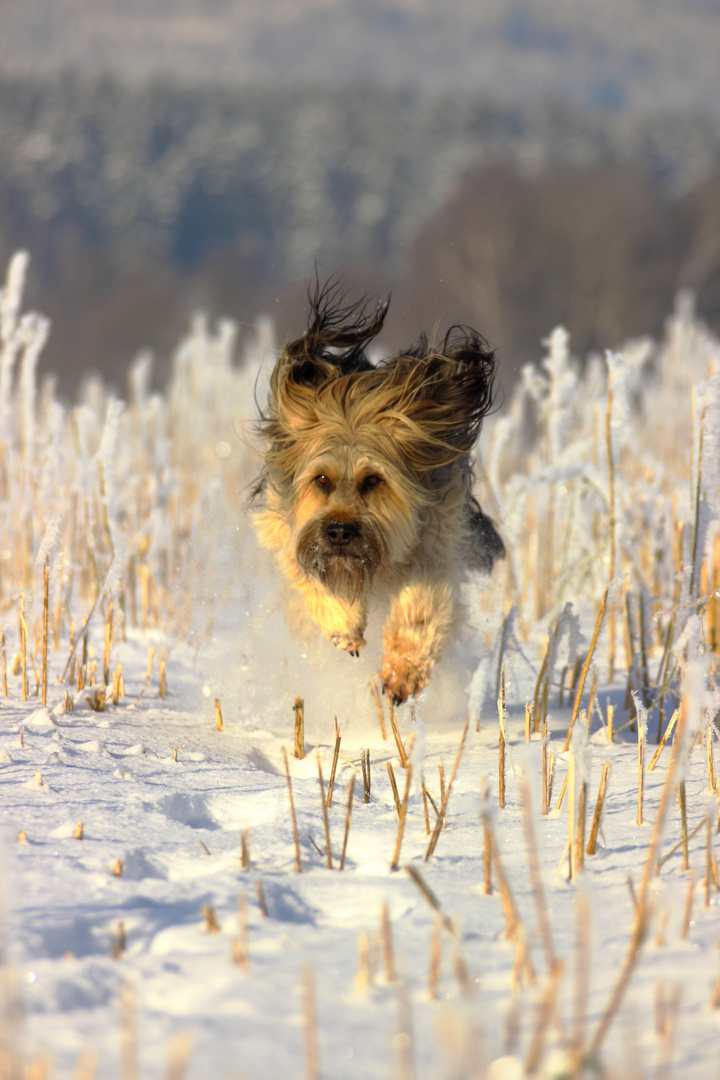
<point x="340" y="533"/>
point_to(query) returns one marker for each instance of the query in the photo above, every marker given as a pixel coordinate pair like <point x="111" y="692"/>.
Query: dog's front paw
<point x="402" y="677"/>
<point x="351" y="643"/>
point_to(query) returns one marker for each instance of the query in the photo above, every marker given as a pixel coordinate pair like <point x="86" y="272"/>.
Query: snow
<point x="133" y="922"/>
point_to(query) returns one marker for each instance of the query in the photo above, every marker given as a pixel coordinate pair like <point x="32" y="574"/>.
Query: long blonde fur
<point x="367" y="483"/>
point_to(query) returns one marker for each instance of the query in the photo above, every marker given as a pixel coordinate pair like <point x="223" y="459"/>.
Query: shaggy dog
<point x="367" y="483"/>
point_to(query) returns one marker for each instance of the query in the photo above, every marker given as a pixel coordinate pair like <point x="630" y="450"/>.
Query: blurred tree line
<point x="138" y="205"/>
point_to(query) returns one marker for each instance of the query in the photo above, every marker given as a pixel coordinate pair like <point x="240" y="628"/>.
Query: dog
<point x="367" y="483"/>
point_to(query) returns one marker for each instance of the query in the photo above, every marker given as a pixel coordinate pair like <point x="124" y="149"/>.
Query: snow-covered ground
<point x="141" y="948"/>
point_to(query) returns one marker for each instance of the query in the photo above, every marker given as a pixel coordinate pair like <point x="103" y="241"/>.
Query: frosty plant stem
<point x="298" y="863"/>
<point x="46" y="579"/>
<point x="643" y="907"/>
<point x="611" y="517"/>
<point x="348" y="819"/>
<point x="592" y="842"/>
<point x="501" y="744"/>
<point x="586" y="668"/>
<point x="299" y="744"/>
<point x="326" y="823"/>
<point x="438" y="824"/>
<point x="401" y="824"/>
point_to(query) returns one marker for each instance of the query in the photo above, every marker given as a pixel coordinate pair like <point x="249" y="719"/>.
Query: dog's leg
<point x="421" y="616"/>
<point x="342" y="621"/>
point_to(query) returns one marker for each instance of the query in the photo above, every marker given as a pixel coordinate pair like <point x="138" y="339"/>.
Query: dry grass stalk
<point x="709" y="751"/>
<point x="430" y="897"/>
<point x="240" y="948"/>
<point x="441" y="777"/>
<point x="120" y="943"/>
<point x="162" y="675"/>
<point x="22" y="837"/>
<point x="87" y="1063"/>
<point x="396" y="733"/>
<point x="218" y="715"/>
<point x="245" y="848"/>
<point x="682" y="802"/>
<point x="592" y="842"/>
<point x="366" y="777"/>
<point x="679" y="844"/>
<point x="175" y="754"/>
<point x="364" y="977"/>
<point x="550" y="778"/>
<point x="118" y="685"/>
<point x="3" y="664"/>
<point x="687" y="910"/>
<point x="715" y="998"/>
<point x="666" y="736"/>
<point x="23" y="647"/>
<point x="708" y="861"/>
<point x="543" y="1019"/>
<point x="46" y="589"/>
<point x="585" y="669"/>
<point x="512" y="918"/>
<point x="178" y="1057"/>
<point x="580" y="837"/>
<point x="610" y="722"/>
<point x="425" y="806"/>
<point x="572" y="822"/>
<point x="299" y="742"/>
<point x="212" y="926"/>
<point x="108" y="642"/>
<point x="378" y="702"/>
<point x="438" y="824"/>
<point x="528" y="720"/>
<point x="581" y="981"/>
<point x="333" y="767"/>
<point x="262" y="902"/>
<point x="501" y="744"/>
<point x="544" y="768"/>
<point x="298" y="863"/>
<point x="536" y="882"/>
<point x="611" y="518"/>
<point x="401" y="824"/>
<point x="311" y="1038"/>
<point x="148" y="680"/>
<point x="348" y="819"/>
<point x="541" y="676"/>
<point x="387" y="944"/>
<point x="128" y="1033"/>
<point x="396" y="796"/>
<point x="22" y="737"/>
<point x="326" y="823"/>
<point x="641" y="756"/>
<point x="79" y="831"/>
<point x="404" y="1040"/>
<point x="643" y="909"/>
<point x="118" y="868"/>
<point x="435" y="959"/>
<point x="82" y="634"/>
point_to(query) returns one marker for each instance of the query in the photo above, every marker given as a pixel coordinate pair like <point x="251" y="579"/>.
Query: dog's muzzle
<point x="341" y="555"/>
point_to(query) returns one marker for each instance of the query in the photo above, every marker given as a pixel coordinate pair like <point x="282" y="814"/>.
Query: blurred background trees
<point x="511" y="166"/>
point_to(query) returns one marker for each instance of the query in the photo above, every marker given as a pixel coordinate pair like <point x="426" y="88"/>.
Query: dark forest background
<point x="143" y="194"/>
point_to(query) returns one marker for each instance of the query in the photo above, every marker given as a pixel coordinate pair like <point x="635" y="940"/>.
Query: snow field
<point x="122" y="947"/>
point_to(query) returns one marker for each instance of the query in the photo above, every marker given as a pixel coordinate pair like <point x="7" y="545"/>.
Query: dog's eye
<point x="322" y="481"/>
<point x="369" y="483"/>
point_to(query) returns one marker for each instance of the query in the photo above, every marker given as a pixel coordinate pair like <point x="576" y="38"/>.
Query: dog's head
<point x="359" y="455"/>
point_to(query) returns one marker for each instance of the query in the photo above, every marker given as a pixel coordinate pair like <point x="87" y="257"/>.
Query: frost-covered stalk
<point x="611" y="519"/>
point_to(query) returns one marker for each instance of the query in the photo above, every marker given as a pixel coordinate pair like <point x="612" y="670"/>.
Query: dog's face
<point x="354" y="513"/>
<point x="358" y="455"/>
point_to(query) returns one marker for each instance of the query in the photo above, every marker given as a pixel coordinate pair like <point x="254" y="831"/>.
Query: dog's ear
<point x="443" y="394"/>
<point x="336" y="337"/>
